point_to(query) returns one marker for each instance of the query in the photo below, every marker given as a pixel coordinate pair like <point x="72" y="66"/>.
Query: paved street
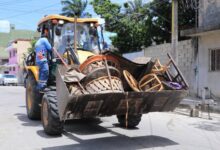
<point x="156" y="130"/>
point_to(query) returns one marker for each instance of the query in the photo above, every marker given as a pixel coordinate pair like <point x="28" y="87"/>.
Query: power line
<point x="14" y="2"/>
<point x="12" y="9"/>
<point x="30" y="12"/>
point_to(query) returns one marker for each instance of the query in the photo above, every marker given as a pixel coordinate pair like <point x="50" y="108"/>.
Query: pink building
<point x="12" y="61"/>
<point x="17" y="49"/>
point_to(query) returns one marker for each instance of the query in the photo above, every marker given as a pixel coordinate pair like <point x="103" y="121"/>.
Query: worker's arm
<point x="47" y="44"/>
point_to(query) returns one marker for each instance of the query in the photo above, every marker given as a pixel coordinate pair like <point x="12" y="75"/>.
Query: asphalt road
<point x="156" y="131"/>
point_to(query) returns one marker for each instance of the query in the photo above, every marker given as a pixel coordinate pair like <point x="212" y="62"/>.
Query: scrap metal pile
<point x="107" y="74"/>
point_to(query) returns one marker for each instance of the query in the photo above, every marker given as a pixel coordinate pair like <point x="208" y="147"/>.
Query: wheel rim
<point x="45" y="113"/>
<point x="131" y="81"/>
<point x="150" y="82"/>
<point x="29" y="101"/>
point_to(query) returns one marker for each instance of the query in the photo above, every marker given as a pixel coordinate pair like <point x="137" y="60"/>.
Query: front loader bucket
<point x="116" y="103"/>
<point x="107" y="104"/>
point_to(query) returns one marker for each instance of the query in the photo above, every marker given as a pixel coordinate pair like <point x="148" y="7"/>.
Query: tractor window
<point x="85" y="41"/>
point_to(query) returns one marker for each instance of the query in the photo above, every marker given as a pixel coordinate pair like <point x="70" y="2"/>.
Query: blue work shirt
<point x="42" y="46"/>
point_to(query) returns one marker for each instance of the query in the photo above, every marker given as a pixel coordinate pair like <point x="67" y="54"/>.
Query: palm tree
<point x="74" y="8"/>
<point x="133" y="6"/>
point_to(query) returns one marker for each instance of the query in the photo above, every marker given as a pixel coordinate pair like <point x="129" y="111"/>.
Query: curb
<point x="199" y="108"/>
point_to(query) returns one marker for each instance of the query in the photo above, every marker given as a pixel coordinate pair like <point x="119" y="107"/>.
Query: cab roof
<point x="68" y="19"/>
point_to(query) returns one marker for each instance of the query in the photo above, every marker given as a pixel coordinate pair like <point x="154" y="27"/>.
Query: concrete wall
<point x="132" y="56"/>
<point x="208" y="78"/>
<point x="186" y="60"/>
<point x="209" y="12"/>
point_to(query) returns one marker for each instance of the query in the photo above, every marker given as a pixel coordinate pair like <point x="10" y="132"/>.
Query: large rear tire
<point x="49" y="114"/>
<point x="33" y="98"/>
<point x="132" y="121"/>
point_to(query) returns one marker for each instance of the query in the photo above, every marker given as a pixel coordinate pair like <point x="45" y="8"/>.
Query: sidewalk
<point x="201" y="107"/>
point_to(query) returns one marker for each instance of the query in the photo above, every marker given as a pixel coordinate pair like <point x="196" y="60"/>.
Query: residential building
<point x="207" y="58"/>
<point x="6" y="38"/>
<point x="17" y="49"/>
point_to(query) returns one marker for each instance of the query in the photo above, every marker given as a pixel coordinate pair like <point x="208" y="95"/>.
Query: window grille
<point x="214" y="57"/>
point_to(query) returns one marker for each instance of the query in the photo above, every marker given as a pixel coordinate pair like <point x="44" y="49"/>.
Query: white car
<point x="1" y="79"/>
<point x="9" y="79"/>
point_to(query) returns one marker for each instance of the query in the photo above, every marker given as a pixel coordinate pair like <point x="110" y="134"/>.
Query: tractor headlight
<point x="61" y="22"/>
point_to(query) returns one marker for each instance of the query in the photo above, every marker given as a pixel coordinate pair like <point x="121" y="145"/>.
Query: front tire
<point x="33" y="98"/>
<point x="49" y="114"/>
<point x="132" y="121"/>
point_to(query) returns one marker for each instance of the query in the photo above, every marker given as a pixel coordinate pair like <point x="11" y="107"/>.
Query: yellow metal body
<point x="69" y="19"/>
<point x="83" y="55"/>
<point x="34" y="70"/>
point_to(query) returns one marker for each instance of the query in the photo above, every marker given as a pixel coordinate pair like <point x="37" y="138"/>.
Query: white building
<point x="208" y="55"/>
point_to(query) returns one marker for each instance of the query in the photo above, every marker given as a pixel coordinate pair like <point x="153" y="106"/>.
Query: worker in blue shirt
<point x="42" y="48"/>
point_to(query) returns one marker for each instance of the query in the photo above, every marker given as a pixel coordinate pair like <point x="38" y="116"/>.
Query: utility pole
<point x="175" y="30"/>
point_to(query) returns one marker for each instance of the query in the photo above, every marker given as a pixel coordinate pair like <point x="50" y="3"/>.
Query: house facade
<point x="17" y="49"/>
<point x="11" y="35"/>
<point x="207" y="58"/>
<point x="3" y="62"/>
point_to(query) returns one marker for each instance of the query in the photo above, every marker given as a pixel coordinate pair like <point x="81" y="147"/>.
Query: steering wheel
<point x="131" y="81"/>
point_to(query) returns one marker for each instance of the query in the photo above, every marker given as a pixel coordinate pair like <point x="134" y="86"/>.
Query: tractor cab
<point x="71" y="36"/>
<point x="73" y="40"/>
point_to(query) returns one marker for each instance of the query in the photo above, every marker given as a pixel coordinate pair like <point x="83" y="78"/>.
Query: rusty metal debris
<point x="131" y="81"/>
<point x="104" y="89"/>
<point x="103" y="85"/>
<point x="150" y="82"/>
<point x="99" y="74"/>
<point x="161" y="77"/>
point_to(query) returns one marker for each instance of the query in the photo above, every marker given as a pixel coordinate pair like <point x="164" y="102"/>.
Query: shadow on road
<point x="42" y="134"/>
<point x="85" y="126"/>
<point x="118" y="142"/>
<point x="115" y="141"/>
<point x="118" y="125"/>
<point x="207" y="125"/>
<point x="23" y="106"/>
<point x="76" y="128"/>
<point x="27" y="122"/>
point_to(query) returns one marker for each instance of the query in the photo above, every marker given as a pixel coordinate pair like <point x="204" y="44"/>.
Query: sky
<point x="25" y="14"/>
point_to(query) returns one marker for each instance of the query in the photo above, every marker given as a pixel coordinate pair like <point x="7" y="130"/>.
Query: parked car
<point x="9" y="79"/>
<point x="1" y="79"/>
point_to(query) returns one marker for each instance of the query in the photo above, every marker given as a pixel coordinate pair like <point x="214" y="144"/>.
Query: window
<point x="214" y="57"/>
<point x="14" y="52"/>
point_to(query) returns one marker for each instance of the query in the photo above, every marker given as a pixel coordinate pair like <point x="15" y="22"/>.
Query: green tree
<point x="161" y="18"/>
<point x="139" y="24"/>
<point x="29" y="50"/>
<point x="127" y="24"/>
<point x="72" y="8"/>
<point x="32" y="48"/>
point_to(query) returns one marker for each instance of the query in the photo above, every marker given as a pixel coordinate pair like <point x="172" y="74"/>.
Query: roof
<point x="5" y="38"/>
<point x="69" y="19"/>
<point x="200" y="30"/>
<point x="20" y="39"/>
